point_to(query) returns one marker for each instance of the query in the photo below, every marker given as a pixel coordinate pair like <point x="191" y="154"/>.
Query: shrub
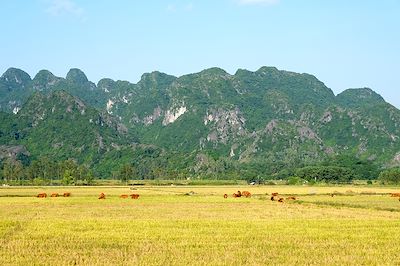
<point x="38" y="182"/>
<point x="294" y="180"/>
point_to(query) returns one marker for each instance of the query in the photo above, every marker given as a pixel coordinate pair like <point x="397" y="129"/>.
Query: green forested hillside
<point x="263" y="124"/>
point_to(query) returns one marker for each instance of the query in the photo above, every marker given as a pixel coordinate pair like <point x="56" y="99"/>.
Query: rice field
<point x="182" y="225"/>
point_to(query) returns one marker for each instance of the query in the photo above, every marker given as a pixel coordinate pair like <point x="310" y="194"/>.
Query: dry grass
<point x="166" y="226"/>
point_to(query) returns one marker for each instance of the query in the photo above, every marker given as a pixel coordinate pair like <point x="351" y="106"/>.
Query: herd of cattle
<point x="274" y="196"/>
<point x="101" y="196"/>
<point x="53" y="195"/>
<point x="239" y="194"/>
<point x="123" y="196"/>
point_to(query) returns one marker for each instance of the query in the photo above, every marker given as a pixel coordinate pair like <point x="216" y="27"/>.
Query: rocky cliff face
<point x="269" y="113"/>
<point x="15" y="88"/>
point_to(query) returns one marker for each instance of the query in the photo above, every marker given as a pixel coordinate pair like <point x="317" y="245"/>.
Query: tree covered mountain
<point x="263" y="123"/>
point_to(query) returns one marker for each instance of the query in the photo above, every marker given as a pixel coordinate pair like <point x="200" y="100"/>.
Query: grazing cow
<point x="124" y="196"/>
<point x="225" y="196"/>
<point x="237" y="195"/>
<point x="274" y="194"/>
<point x="54" y="195"/>
<point x="134" y="196"/>
<point x="395" y="194"/>
<point x="281" y="200"/>
<point x="291" y="198"/>
<point x="102" y="196"/>
<point x="67" y="194"/>
<point x="246" y="194"/>
<point x="42" y="195"/>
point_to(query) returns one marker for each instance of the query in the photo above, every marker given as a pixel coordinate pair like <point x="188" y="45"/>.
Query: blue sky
<point x="345" y="44"/>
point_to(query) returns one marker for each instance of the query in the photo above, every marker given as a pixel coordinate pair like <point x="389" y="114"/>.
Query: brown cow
<point x="54" y="195"/>
<point x="134" y="196"/>
<point x="395" y="194"/>
<point x="274" y="194"/>
<point x="225" y="196"/>
<point x="67" y="194"/>
<point x="42" y="195"/>
<point x="237" y="195"/>
<point x="291" y="198"/>
<point x="124" y="196"/>
<point x="246" y="194"/>
<point x="102" y="196"/>
<point x="281" y="200"/>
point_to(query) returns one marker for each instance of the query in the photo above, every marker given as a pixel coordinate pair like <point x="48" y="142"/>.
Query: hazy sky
<point x="344" y="43"/>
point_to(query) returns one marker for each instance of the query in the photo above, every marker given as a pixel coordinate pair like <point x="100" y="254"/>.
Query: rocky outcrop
<point x="12" y="151"/>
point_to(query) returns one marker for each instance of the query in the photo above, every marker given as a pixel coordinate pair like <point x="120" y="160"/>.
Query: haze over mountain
<point x="206" y="123"/>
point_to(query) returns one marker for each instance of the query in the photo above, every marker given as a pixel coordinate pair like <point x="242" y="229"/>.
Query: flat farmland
<point x="183" y="225"/>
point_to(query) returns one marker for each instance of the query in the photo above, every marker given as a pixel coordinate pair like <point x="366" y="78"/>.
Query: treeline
<point x="45" y="172"/>
<point x="341" y="169"/>
<point x="335" y="174"/>
<point x="150" y="165"/>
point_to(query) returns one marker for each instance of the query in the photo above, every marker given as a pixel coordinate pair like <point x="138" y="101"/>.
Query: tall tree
<point x="126" y="173"/>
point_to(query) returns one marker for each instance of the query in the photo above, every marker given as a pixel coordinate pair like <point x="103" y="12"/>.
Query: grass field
<point x="184" y="225"/>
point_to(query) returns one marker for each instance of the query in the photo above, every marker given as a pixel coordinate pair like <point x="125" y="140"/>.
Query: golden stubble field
<point x="197" y="226"/>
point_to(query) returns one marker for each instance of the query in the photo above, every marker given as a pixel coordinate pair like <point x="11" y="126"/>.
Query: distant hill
<point x="60" y="126"/>
<point x="206" y="123"/>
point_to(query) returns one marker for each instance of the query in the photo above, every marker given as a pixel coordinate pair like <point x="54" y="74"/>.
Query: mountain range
<point x="209" y="123"/>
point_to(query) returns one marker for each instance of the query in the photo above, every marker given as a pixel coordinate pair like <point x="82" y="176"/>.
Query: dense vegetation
<point x="255" y="126"/>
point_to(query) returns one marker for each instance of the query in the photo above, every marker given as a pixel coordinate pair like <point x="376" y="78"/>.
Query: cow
<point x="124" y="196"/>
<point x="281" y="200"/>
<point x="54" y="195"/>
<point x="42" y="195"/>
<point x="274" y="194"/>
<point x="102" y="196"/>
<point x="395" y="194"/>
<point x="134" y="196"/>
<point x="246" y="194"/>
<point x="67" y="194"/>
<point x="237" y="195"/>
<point x="332" y="194"/>
<point x="291" y="198"/>
<point x="272" y="198"/>
<point x="225" y="196"/>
